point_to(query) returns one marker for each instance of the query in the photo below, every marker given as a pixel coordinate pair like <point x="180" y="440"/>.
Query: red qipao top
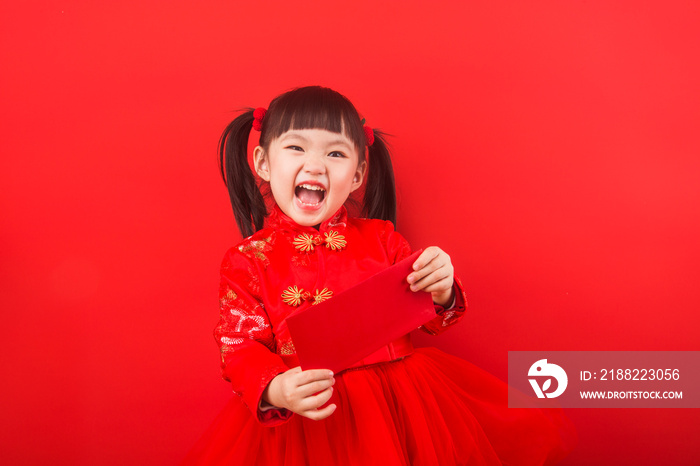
<point x="285" y="268"/>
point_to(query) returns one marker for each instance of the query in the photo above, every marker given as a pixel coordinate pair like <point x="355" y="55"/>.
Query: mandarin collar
<point x="278" y="219"/>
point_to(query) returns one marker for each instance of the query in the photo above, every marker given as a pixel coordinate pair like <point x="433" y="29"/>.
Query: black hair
<point x="311" y="107"/>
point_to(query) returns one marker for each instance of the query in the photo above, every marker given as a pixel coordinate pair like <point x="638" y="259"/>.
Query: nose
<point x="314" y="164"/>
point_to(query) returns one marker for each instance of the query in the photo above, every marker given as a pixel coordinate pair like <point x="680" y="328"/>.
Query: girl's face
<point x="311" y="173"/>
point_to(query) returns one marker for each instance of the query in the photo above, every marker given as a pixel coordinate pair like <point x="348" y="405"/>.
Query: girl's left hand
<point x="433" y="272"/>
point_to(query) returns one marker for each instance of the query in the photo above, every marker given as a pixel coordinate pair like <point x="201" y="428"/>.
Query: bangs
<point x="313" y="107"/>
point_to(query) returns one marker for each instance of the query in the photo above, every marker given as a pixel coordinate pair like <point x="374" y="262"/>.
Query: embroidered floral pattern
<point x="287" y="348"/>
<point x="253" y="282"/>
<point x="228" y="296"/>
<point x="301" y="260"/>
<point x="337" y="220"/>
<point x="334" y="240"/>
<point x="257" y="248"/>
<point x="322" y="295"/>
<point x="227" y="341"/>
<point x="306" y="242"/>
<point x="294" y="296"/>
<point x="237" y="326"/>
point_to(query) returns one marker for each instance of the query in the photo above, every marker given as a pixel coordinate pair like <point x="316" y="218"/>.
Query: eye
<point x="297" y="148"/>
<point x="336" y="153"/>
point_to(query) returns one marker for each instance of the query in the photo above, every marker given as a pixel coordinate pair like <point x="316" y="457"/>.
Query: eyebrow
<point x="339" y="142"/>
<point x="293" y="135"/>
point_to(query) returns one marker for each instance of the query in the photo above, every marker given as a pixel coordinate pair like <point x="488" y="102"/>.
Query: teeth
<point x="311" y="187"/>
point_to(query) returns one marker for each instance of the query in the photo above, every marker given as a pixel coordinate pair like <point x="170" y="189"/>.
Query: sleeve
<point x="398" y="248"/>
<point x="245" y="338"/>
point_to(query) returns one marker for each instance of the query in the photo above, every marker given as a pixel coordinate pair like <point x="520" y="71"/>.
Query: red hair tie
<point x="369" y="134"/>
<point x="258" y="115"/>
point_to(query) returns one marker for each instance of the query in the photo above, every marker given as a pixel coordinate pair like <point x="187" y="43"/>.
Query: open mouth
<point x="310" y="194"/>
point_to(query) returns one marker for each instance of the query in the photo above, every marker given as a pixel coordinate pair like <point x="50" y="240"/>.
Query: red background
<point x="550" y="149"/>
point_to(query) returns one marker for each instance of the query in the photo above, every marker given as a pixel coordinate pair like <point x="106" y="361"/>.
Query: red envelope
<point x="342" y="330"/>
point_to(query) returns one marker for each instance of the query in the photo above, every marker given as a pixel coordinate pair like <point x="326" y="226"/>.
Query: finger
<point x="312" y="375"/>
<point x="418" y="275"/>
<point x="315" y="401"/>
<point x="426" y="257"/>
<point x="443" y="285"/>
<point x="315" y="387"/>
<point x="432" y="278"/>
<point x="318" y="414"/>
<point x="435" y="263"/>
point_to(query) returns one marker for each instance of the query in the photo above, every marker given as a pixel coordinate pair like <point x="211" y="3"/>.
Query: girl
<point x="397" y="406"/>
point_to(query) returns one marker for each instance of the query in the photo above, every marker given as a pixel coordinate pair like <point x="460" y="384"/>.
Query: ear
<point x="262" y="168"/>
<point x="359" y="176"/>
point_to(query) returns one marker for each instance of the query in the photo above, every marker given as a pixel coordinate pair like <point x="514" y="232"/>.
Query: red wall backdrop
<point x="550" y="148"/>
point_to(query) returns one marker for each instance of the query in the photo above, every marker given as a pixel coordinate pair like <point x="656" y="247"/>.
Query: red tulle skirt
<point x="429" y="408"/>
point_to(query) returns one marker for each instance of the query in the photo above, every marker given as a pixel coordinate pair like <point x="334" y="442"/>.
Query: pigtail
<point x="246" y="200"/>
<point x="380" y="191"/>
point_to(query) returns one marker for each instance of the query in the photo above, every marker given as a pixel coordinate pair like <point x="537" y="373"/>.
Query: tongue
<point x="308" y="196"/>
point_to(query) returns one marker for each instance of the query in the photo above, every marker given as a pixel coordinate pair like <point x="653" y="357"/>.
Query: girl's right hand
<point x="302" y="392"/>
